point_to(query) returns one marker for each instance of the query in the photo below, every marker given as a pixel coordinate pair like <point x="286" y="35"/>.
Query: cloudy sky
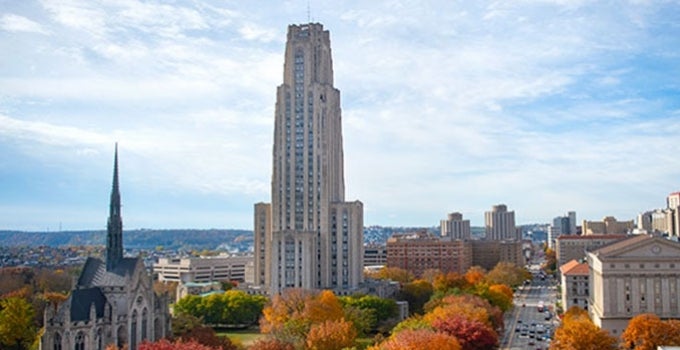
<point x="546" y="106"/>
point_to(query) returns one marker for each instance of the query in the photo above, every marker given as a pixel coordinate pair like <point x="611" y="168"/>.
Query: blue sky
<point x="546" y="106"/>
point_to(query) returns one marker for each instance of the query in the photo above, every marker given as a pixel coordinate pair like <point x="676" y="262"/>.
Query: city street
<point x="530" y="324"/>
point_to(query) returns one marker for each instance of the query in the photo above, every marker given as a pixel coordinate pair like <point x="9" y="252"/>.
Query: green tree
<point x="17" y="331"/>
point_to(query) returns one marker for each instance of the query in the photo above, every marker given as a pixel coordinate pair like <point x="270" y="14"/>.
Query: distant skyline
<point x="545" y="106"/>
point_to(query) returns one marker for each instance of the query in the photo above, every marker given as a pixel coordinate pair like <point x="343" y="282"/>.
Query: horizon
<point x="545" y="106"/>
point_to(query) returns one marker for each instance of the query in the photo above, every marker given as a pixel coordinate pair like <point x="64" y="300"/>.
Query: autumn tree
<point x="291" y="315"/>
<point x="507" y="273"/>
<point x="165" y="344"/>
<point x="416" y="293"/>
<point x="417" y="340"/>
<point x="550" y="264"/>
<point x="392" y="273"/>
<point x="17" y="330"/>
<point x="499" y="295"/>
<point x="270" y="344"/>
<point x="471" y="306"/>
<point x="331" y="335"/>
<point x="471" y="334"/>
<point x="577" y="331"/>
<point x="648" y="331"/>
<point x="189" y="328"/>
<point x="451" y="282"/>
<point x="474" y="275"/>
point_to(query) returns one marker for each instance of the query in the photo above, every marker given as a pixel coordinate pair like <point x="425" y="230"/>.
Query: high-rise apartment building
<point x="308" y="236"/>
<point x="455" y="227"/>
<point x="500" y="224"/>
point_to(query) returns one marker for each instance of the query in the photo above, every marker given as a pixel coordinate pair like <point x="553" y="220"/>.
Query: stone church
<point x="113" y="301"/>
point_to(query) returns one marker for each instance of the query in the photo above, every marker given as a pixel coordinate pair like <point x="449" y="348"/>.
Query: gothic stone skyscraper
<point x="308" y="237"/>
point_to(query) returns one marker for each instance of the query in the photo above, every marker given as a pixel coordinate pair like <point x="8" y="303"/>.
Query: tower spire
<point x="114" y="232"/>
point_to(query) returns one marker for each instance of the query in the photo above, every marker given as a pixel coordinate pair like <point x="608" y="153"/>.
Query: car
<point x="531" y="342"/>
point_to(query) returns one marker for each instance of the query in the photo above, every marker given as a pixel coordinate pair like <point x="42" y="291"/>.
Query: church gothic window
<point x="80" y="341"/>
<point x="57" y="341"/>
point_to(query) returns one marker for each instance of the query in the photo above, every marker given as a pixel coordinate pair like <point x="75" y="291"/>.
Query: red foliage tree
<point x="472" y="334"/>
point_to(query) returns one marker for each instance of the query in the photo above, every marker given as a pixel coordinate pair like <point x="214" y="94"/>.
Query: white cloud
<point x="15" y="23"/>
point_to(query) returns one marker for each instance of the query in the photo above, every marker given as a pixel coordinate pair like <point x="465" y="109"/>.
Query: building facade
<point x="573" y="247"/>
<point x="455" y="227"/>
<point x="633" y="276"/>
<point x="308" y="236"/>
<point x="656" y="221"/>
<point x="608" y="225"/>
<point x="500" y="224"/>
<point x="488" y="254"/>
<point x="203" y="269"/>
<point x="113" y="301"/>
<point x="574" y="277"/>
<point x="420" y="251"/>
<point x="375" y="255"/>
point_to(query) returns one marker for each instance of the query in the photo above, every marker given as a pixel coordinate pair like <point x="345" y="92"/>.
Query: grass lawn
<point x="245" y="336"/>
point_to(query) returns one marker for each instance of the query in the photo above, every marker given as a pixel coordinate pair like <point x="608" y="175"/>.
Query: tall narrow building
<point x="308" y="237"/>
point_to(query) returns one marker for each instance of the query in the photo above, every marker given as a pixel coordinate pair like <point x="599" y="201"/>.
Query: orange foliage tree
<point x="451" y="281"/>
<point x="331" y="335"/>
<point x="475" y="275"/>
<point x="472" y="306"/>
<point x="579" y="332"/>
<point x="648" y="331"/>
<point x="291" y="315"/>
<point x="417" y="340"/>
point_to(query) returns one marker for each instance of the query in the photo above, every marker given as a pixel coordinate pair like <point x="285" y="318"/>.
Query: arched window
<point x="133" y="331"/>
<point x="99" y="341"/>
<point x="145" y="323"/>
<point x="57" y="341"/>
<point x="80" y="341"/>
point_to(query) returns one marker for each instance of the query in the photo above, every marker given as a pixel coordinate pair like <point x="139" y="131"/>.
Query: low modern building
<point x="194" y="288"/>
<point x="203" y="269"/>
<point x="636" y="275"/>
<point x="574" y="282"/>
<point x="488" y="254"/>
<point x="375" y="254"/>
<point x="420" y="251"/>
<point x="574" y="247"/>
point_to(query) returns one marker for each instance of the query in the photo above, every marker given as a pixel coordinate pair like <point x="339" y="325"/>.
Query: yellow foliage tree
<point x="579" y="332"/>
<point x="648" y="331"/>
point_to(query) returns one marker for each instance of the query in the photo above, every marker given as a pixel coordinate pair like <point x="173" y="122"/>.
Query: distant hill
<point x="140" y="239"/>
<point x="241" y="240"/>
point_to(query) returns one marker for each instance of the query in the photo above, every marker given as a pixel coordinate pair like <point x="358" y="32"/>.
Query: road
<point x="525" y="326"/>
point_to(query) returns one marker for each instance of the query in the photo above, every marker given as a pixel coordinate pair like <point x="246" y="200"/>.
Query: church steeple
<point x="114" y="234"/>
